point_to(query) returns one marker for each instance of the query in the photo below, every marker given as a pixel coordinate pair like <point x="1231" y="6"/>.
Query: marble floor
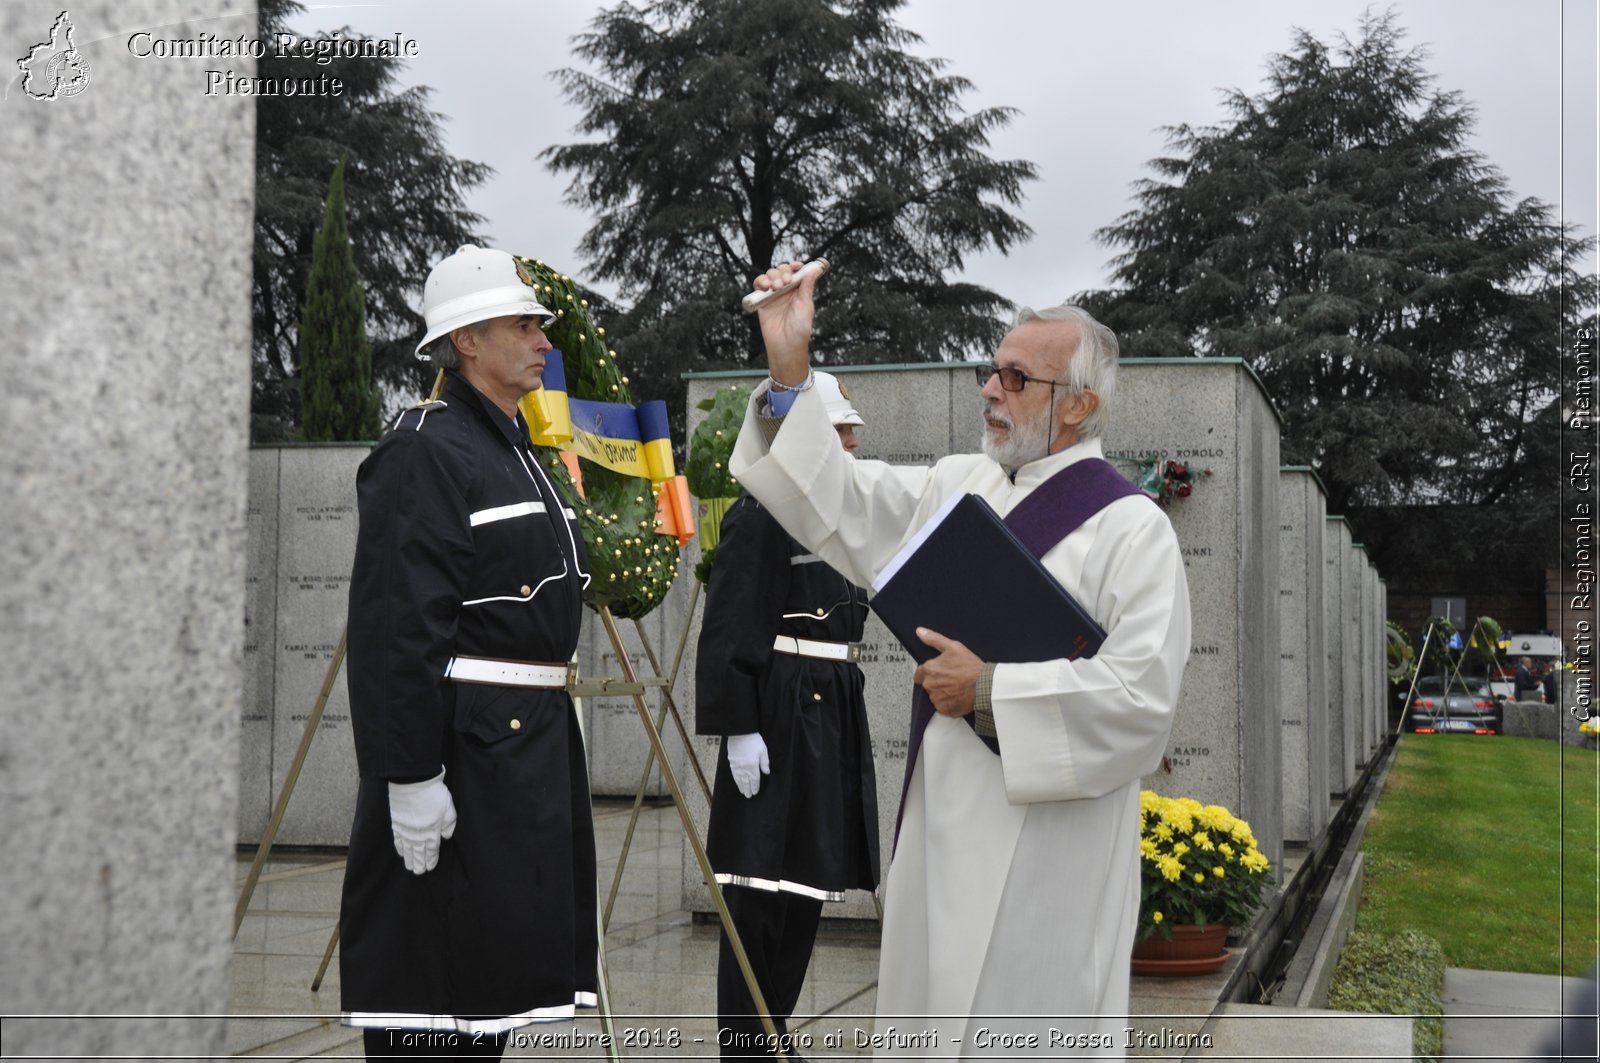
<point x="660" y="959"/>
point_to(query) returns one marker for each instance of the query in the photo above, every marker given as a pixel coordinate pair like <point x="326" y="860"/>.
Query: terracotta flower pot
<point x="1192" y="950"/>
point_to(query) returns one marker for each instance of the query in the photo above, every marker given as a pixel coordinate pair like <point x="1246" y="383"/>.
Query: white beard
<point x="1024" y="443"/>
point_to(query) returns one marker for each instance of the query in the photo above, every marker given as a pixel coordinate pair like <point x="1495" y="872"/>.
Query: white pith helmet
<point x="835" y="400"/>
<point x="477" y="284"/>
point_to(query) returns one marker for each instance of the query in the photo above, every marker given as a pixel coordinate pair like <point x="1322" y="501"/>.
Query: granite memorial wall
<point x="302" y="532"/>
<point x="1336" y="622"/>
<point x="1355" y="633"/>
<point x="1214" y="415"/>
<point x="1302" y="654"/>
<point x="1380" y="662"/>
<point x="1372" y="657"/>
<point x="1254" y="715"/>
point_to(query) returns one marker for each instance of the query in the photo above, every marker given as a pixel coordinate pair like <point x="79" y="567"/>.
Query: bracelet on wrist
<point x="804" y="385"/>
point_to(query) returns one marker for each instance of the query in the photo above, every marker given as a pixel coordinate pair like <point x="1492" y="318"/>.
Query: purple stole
<point x="1054" y="510"/>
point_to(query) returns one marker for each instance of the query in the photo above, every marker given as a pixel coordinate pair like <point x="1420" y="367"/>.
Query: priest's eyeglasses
<point x="1011" y="378"/>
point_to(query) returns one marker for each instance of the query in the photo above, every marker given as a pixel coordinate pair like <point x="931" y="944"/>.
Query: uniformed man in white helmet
<point x="469" y="894"/>
<point x="794" y="812"/>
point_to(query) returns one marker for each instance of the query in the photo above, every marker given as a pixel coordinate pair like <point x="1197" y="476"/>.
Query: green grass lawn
<point x="1488" y="845"/>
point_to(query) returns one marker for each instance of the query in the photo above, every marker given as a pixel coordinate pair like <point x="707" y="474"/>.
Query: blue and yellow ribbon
<point x="632" y="441"/>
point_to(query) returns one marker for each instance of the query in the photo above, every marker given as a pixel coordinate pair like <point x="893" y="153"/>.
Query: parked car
<point x="1469" y="708"/>
<point x="1502" y="684"/>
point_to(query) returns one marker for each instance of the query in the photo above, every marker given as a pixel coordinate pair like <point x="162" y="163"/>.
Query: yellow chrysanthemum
<point x="1174" y="829"/>
<point x="1178" y="818"/>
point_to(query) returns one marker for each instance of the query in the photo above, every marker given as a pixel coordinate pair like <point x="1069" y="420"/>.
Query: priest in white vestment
<point x="1011" y="901"/>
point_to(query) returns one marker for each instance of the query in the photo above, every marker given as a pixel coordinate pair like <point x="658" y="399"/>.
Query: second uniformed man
<point x="794" y="815"/>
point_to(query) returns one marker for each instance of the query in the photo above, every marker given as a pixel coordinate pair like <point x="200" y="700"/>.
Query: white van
<point x="1540" y="647"/>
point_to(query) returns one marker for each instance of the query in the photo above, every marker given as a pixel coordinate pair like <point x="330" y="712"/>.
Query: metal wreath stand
<point x="1455" y="672"/>
<point x="630" y="684"/>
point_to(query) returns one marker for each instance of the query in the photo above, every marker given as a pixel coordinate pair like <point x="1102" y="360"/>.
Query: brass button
<point x="526" y="590"/>
<point x="516" y="725"/>
<point x="816" y="697"/>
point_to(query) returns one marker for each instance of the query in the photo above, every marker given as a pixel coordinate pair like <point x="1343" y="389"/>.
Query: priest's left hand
<point x="951" y="679"/>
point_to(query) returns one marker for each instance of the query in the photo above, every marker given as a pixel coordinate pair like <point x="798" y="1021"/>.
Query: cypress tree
<point x="338" y="401"/>
<point x="405" y="194"/>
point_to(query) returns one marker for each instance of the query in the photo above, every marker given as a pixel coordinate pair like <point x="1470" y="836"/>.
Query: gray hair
<point x="443" y="350"/>
<point x="1092" y="367"/>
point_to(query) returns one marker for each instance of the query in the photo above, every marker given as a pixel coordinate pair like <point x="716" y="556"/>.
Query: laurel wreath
<point x="710" y="448"/>
<point x="632" y="567"/>
<point x="1398" y="651"/>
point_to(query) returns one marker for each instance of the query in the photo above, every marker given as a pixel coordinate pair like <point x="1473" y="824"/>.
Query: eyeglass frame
<point x="987" y="370"/>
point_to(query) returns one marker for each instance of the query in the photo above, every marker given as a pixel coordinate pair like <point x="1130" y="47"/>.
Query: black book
<point x="968" y="577"/>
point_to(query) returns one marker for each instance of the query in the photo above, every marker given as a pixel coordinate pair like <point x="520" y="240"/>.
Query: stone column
<point x="1341" y="728"/>
<point x="1303" y="654"/>
<point x="1369" y="686"/>
<point x="301" y="531"/>
<point x="1355" y="641"/>
<point x="125" y="278"/>
<point x="316" y="525"/>
<point x="1212" y="413"/>
<point x="1377" y="662"/>
<point x="1386" y="702"/>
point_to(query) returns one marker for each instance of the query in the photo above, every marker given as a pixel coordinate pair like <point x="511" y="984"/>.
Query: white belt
<point x="826" y="651"/>
<point x="505" y="673"/>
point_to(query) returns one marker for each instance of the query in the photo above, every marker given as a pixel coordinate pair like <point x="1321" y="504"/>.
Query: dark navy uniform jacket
<point x="466" y="548"/>
<point x="812" y="828"/>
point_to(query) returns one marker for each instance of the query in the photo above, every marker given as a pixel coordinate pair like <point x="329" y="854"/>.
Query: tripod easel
<point x="1416" y="673"/>
<point x="631" y="685"/>
<point x="1455" y="671"/>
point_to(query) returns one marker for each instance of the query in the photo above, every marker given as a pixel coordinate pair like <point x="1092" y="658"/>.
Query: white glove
<point x="421" y="813"/>
<point x="747" y="757"/>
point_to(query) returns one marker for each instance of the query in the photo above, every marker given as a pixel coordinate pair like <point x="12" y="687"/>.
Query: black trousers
<point x="778" y="931"/>
<point x="431" y="1044"/>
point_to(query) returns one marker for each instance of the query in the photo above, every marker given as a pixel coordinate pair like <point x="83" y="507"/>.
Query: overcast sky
<point x="1095" y="82"/>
